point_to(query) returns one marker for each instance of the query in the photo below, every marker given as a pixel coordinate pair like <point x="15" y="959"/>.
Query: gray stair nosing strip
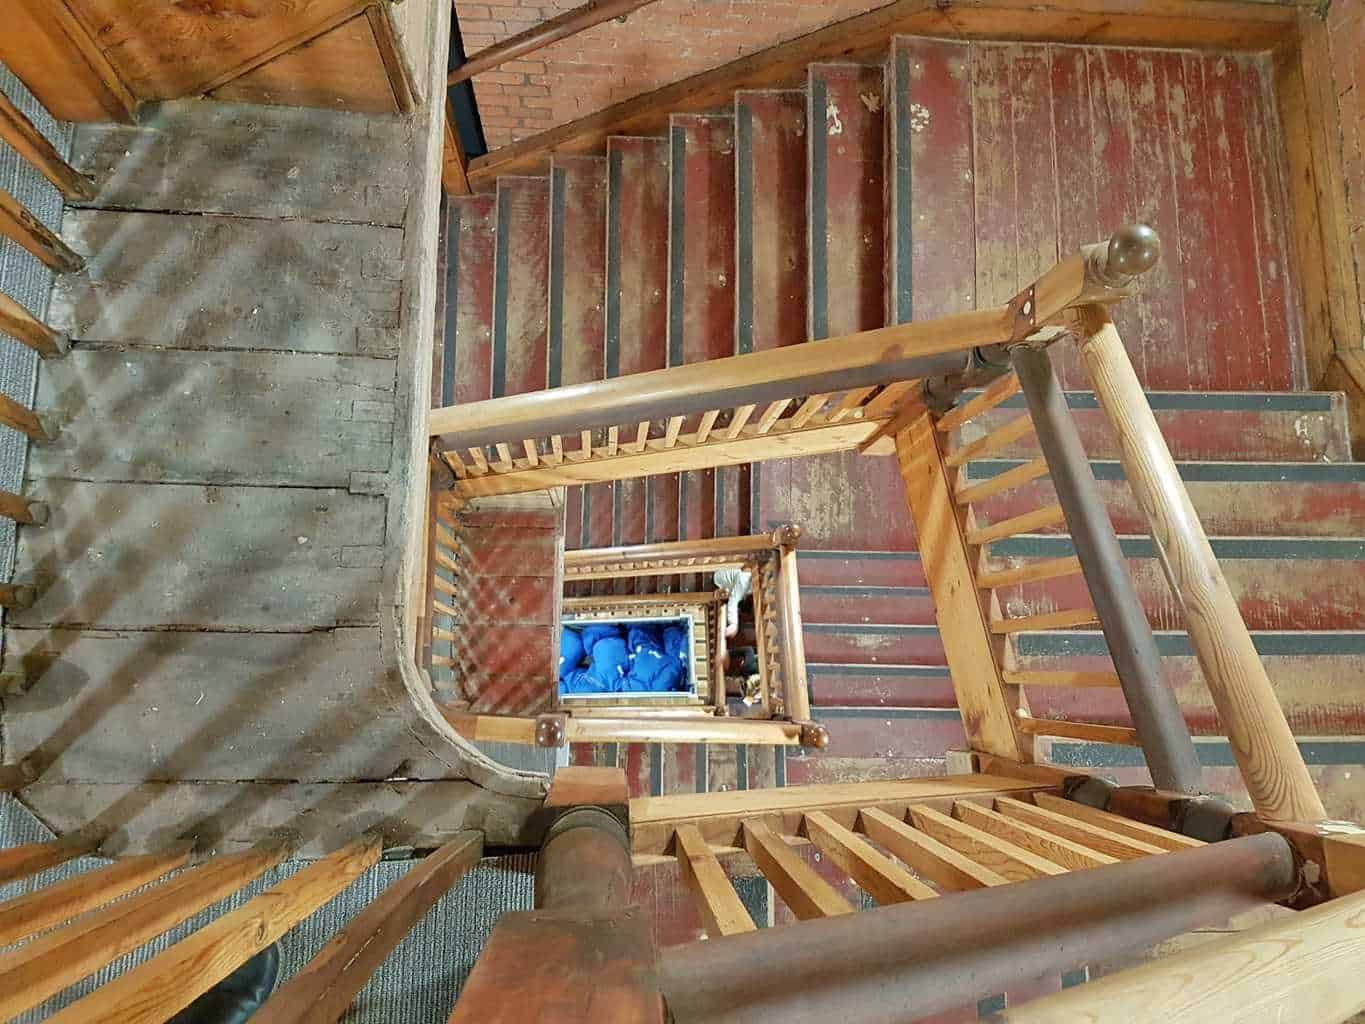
<point x="1226" y="401"/>
<point x="1224" y="548"/>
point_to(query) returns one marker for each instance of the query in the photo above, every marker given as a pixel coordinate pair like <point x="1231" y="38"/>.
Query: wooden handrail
<point x="570" y="23"/>
<point x="736" y="549"/>
<point x="1262" y="743"/>
<point x="1098" y="273"/>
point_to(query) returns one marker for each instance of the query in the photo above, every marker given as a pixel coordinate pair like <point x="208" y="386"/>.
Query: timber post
<point x="584" y="953"/>
<point x="1262" y="743"/>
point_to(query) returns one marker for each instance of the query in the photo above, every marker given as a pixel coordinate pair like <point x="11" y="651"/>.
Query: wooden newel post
<point x="1270" y="762"/>
<point x="796" y="688"/>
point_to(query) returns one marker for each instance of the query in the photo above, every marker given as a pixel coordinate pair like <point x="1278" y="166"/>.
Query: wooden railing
<point x="983" y="882"/>
<point x="19" y="225"/>
<point x="75" y="927"/>
<point x="781" y="716"/>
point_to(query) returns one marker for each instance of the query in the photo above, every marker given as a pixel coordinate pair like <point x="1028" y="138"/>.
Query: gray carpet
<point x="417" y="984"/>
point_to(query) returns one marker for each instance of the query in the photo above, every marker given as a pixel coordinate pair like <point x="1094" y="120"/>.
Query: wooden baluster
<point x="21" y="861"/>
<point x="1031" y="572"/>
<point x="328" y="984"/>
<point x="1058" y="849"/>
<point x="613" y="440"/>
<point x="708" y="421"/>
<point x="804" y="892"/>
<point x="22" y="510"/>
<point x="849" y="405"/>
<point x="996" y="392"/>
<point x="24" y="327"/>
<point x="24" y="420"/>
<point x="1078" y="731"/>
<point x="967" y="494"/>
<point x="641" y="437"/>
<point x="556" y="456"/>
<point x="722" y="912"/>
<point x="61" y="901"/>
<point x="1001" y="437"/>
<point x="505" y="462"/>
<point x="962" y="613"/>
<point x="1068" y="618"/>
<point x="162" y="986"/>
<point x="1262" y="743"/>
<point x="1103" y="825"/>
<point x="49" y="963"/>
<point x="26" y="140"/>
<point x="882" y="877"/>
<point x="26" y="230"/>
<point x="738" y="420"/>
<point x="768" y="420"/>
<point x="807" y="409"/>
<point x="17" y="595"/>
<point x="1003" y="857"/>
<point x="480" y="461"/>
<point x="532" y="455"/>
<point x="1028" y="522"/>
<point x="936" y="861"/>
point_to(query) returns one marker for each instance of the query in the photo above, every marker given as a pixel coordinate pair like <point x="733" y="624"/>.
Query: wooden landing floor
<point x="210" y="583"/>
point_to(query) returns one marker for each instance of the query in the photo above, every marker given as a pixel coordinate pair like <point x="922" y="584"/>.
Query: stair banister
<point x="1270" y="762"/>
<point x="925" y="349"/>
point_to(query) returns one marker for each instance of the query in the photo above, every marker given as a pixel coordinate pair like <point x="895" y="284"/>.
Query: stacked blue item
<point x="608" y="658"/>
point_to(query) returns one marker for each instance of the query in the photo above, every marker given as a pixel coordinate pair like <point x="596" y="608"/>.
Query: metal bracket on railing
<point x="984" y="365"/>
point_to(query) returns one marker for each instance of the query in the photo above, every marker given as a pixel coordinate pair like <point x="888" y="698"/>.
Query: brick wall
<point x="658" y="44"/>
<point x="1346" y="35"/>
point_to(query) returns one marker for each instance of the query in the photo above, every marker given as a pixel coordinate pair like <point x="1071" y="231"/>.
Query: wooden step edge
<point x="1064" y="619"/>
<point x="1078" y="730"/>
<point x="1048" y="515"/>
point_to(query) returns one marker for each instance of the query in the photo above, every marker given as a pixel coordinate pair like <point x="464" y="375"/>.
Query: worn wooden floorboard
<point x="227" y="283"/>
<point x="196" y="157"/>
<point x="260" y="418"/>
<point x="323" y="816"/>
<point x="204" y="706"/>
<point x="150" y="556"/>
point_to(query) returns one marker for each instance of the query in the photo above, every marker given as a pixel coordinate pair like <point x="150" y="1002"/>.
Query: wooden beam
<point x="454" y="163"/>
<point x="963" y="620"/>
<point x="722" y="912"/>
<point x="936" y="861"/>
<point x="1303" y="967"/>
<point x="1062" y="678"/>
<point x="795" y="681"/>
<point x="24" y="327"/>
<point x="1267" y="755"/>
<point x="1099" y="832"/>
<point x="885" y="880"/>
<point x="162" y="986"/>
<point x="562" y="26"/>
<point x="48" y="964"/>
<point x="1058" y="849"/>
<point x="1245" y="26"/>
<point x="717" y="451"/>
<point x="327" y="985"/>
<point x="31" y="144"/>
<point x="391" y="53"/>
<point x="58" y="58"/>
<point x="18" y="862"/>
<point x="36" y="911"/>
<point x="805" y="893"/>
<point x="31" y="234"/>
<point x="1002" y="857"/>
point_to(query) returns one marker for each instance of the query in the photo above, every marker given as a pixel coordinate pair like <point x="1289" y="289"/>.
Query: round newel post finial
<point x="551" y="731"/>
<point x="814" y="735"/>
<point x="1133" y="250"/>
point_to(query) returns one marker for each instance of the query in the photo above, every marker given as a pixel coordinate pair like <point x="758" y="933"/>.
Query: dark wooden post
<point x="583" y="954"/>
<point x="28" y="231"/>
<point x="1160" y="726"/>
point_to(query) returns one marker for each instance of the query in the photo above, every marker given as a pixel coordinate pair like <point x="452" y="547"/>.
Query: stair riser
<point x="861" y="604"/>
<point x="1308" y="427"/>
<point x="872" y="686"/>
<point x="467" y="366"/>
